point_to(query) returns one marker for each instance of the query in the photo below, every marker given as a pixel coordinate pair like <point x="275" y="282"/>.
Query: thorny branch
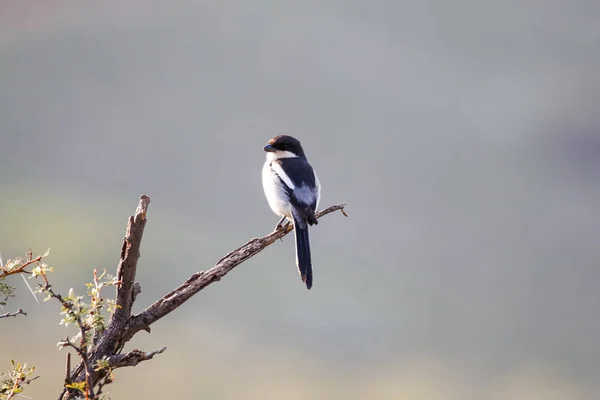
<point x="123" y="326"/>
<point x="13" y="267"/>
<point x="82" y="349"/>
<point x="4" y="272"/>
<point x="13" y="391"/>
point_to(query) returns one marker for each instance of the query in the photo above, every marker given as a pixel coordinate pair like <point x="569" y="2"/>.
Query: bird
<point x="293" y="192"/>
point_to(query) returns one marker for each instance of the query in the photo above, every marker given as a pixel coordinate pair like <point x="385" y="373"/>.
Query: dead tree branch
<point x="202" y="279"/>
<point x="13" y="314"/>
<point x="132" y="358"/>
<point x="123" y="326"/>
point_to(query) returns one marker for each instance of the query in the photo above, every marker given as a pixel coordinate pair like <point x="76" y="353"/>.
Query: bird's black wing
<point x="303" y="192"/>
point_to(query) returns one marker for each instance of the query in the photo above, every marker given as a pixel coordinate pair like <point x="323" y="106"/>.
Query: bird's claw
<point x="283" y="224"/>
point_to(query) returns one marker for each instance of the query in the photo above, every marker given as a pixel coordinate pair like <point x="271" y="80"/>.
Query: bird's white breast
<point x="275" y="192"/>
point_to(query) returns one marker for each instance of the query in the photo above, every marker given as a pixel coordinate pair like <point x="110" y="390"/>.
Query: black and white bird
<point x="293" y="192"/>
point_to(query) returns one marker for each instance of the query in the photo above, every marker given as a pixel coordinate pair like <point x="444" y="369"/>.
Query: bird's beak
<point x="269" y="148"/>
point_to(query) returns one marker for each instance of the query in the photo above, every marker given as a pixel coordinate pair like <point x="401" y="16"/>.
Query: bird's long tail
<point x="303" y="252"/>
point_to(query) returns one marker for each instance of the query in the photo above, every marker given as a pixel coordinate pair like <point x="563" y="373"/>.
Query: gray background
<point x="463" y="135"/>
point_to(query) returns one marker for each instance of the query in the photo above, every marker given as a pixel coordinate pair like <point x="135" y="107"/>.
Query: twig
<point x="132" y="358"/>
<point x="67" y="343"/>
<point x="19" y="382"/>
<point x="12" y="391"/>
<point x="21" y="269"/>
<point x="13" y="314"/>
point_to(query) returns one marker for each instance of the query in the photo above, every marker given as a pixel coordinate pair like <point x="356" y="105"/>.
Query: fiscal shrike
<point x="293" y="192"/>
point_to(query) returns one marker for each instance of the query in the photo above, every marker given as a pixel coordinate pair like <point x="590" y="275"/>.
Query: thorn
<point x="68" y="369"/>
<point x="29" y="287"/>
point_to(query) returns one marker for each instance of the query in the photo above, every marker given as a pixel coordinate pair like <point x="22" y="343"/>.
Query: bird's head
<point x="284" y="146"/>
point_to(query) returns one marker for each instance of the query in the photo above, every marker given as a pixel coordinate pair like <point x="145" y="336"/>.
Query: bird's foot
<point x="282" y="224"/>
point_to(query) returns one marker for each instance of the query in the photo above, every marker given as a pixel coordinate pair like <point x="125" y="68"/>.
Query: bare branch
<point x="130" y="253"/>
<point x="202" y="279"/>
<point x="132" y="358"/>
<point x="13" y="314"/>
<point x="123" y="326"/>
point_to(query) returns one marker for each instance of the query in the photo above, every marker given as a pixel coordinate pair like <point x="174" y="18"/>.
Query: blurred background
<point x="464" y="136"/>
